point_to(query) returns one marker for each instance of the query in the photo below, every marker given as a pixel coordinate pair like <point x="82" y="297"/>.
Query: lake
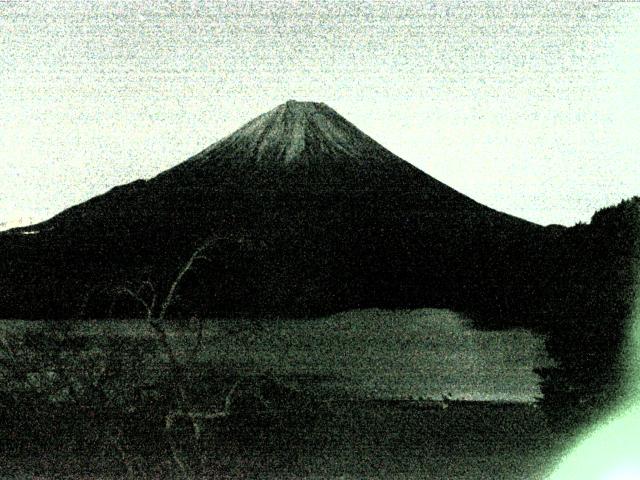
<point x="358" y="398"/>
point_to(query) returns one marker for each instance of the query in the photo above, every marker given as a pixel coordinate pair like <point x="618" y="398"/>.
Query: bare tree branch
<point x="187" y="266"/>
<point x="156" y="320"/>
<point x="199" y="415"/>
<point x="148" y="307"/>
<point x="199" y="335"/>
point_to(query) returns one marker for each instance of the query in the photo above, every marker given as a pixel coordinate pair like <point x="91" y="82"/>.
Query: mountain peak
<point x="301" y="133"/>
<point x="298" y="106"/>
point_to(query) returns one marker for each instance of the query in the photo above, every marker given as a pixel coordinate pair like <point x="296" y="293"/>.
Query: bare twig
<point x="171" y="418"/>
<point x="156" y="321"/>
<point x="136" y="296"/>
<point x="178" y="461"/>
<point x="197" y="255"/>
<point x="199" y="335"/>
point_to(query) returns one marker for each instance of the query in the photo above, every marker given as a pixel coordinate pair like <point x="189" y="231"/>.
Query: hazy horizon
<point x="530" y="109"/>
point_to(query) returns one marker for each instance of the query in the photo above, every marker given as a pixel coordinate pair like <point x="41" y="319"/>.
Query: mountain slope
<point x="309" y="215"/>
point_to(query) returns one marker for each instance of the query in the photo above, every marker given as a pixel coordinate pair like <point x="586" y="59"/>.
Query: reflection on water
<point x="382" y="354"/>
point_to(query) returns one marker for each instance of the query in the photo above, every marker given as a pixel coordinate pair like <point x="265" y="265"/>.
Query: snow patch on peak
<point x="302" y="107"/>
<point x="278" y="134"/>
<point x="299" y="132"/>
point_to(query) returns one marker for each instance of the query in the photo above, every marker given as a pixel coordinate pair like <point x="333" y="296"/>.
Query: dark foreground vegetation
<point x="353" y="440"/>
<point x="84" y="406"/>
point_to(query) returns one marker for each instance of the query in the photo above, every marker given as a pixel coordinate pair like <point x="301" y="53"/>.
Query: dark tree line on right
<point x="576" y="287"/>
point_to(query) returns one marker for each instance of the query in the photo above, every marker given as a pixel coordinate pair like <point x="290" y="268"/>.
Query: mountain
<point x="303" y="214"/>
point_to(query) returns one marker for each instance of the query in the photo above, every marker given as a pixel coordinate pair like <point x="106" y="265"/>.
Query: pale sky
<point x="530" y="108"/>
